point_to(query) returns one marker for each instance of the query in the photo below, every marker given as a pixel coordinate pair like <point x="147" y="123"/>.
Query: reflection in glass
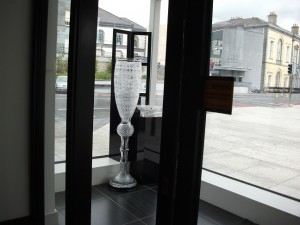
<point x="257" y="143"/>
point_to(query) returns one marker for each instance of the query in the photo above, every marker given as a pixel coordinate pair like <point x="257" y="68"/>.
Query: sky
<point x="288" y="11"/>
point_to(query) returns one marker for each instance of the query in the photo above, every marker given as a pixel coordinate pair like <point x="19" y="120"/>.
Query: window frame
<point x="100" y="36"/>
<point x="288" y="53"/>
<point x="271" y="49"/>
<point x="279" y="50"/>
<point x="277" y="79"/>
<point x="136" y="41"/>
<point x="119" y="39"/>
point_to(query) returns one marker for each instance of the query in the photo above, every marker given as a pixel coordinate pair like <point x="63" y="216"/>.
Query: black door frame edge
<point x="80" y="110"/>
<point x="37" y="113"/>
<point x="183" y="122"/>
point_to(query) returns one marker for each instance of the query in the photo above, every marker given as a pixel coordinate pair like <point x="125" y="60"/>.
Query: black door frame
<point x="37" y="113"/>
<point x="80" y="110"/>
<point x="183" y="122"/>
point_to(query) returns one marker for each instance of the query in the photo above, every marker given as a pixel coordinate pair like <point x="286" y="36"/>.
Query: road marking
<point x="261" y="103"/>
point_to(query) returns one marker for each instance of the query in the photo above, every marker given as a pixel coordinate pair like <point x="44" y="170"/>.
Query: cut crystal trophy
<point x="127" y="82"/>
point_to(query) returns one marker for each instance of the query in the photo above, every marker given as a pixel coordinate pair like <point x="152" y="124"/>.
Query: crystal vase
<point x="127" y="81"/>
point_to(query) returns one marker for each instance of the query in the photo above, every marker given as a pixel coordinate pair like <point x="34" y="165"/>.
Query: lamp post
<point x="291" y="74"/>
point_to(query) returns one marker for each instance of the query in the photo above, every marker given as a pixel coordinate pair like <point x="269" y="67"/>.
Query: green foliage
<point x="61" y="64"/>
<point x="97" y="69"/>
<point x="103" y="76"/>
<point x="109" y="67"/>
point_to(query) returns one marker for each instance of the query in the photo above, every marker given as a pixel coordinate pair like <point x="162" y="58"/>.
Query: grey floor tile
<point x="108" y="191"/>
<point x="217" y="215"/>
<point x="138" y="222"/>
<point x="141" y="204"/>
<point x="106" y="212"/>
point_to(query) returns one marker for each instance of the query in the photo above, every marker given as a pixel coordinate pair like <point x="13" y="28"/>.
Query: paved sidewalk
<point x="100" y="141"/>
<point x="259" y="145"/>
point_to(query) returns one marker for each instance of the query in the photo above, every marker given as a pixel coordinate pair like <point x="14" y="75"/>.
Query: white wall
<point x="15" y="73"/>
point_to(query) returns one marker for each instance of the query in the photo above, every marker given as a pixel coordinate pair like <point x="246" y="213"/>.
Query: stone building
<point x="256" y="53"/>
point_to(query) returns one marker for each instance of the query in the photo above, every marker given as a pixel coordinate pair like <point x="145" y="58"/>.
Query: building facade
<point x="256" y="53"/>
<point x="281" y="49"/>
<point x="106" y="23"/>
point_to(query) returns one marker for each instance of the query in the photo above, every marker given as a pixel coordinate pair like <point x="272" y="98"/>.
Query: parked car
<point x="61" y="85"/>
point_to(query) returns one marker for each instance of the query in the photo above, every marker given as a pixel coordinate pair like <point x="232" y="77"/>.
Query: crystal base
<point x="123" y="180"/>
<point x="127" y="182"/>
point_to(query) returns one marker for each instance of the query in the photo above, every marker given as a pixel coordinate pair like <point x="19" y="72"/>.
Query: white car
<point x="61" y="85"/>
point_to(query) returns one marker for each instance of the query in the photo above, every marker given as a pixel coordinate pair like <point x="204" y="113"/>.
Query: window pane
<point x="111" y="17"/>
<point x="258" y="143"/>
<point x="61" y="85"/>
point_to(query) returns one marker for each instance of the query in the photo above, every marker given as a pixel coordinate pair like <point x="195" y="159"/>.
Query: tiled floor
<point x="138" y="207"/>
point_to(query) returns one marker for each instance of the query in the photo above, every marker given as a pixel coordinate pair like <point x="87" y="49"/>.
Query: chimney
<point x="295" y="29"/>
<point x="272" y="18"/>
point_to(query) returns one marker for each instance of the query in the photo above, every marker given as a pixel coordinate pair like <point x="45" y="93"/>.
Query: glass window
<point x="100" y="37"/>
<point x="258" y="141"/>
<point x="136" y="41"/>
<point x="271" y="49"/>
<point x="288" y="53"/>
<point x="119" y="40"/>
<point x="279" y="50"/>
<point x="277" y="81"/>
<point x="296" y="52"/>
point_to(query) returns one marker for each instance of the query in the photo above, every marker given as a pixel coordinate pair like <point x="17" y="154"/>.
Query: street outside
<point x="258" y="143"/>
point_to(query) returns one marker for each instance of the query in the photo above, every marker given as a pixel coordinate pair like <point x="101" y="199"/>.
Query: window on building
<point x="216" y="47"/>
<point x="288" y="53"/>
<point x="100" y="37"/>
<point x="279" y="50"/>
<point x="136" y="41"/>
<point x="119" y="39"/>
<point x="277" y="81"/>
<point x="269" y="80"/>
<point x="271" y="49"/>
<point x="67" y="17"/>
<point x="296" y="52"/>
